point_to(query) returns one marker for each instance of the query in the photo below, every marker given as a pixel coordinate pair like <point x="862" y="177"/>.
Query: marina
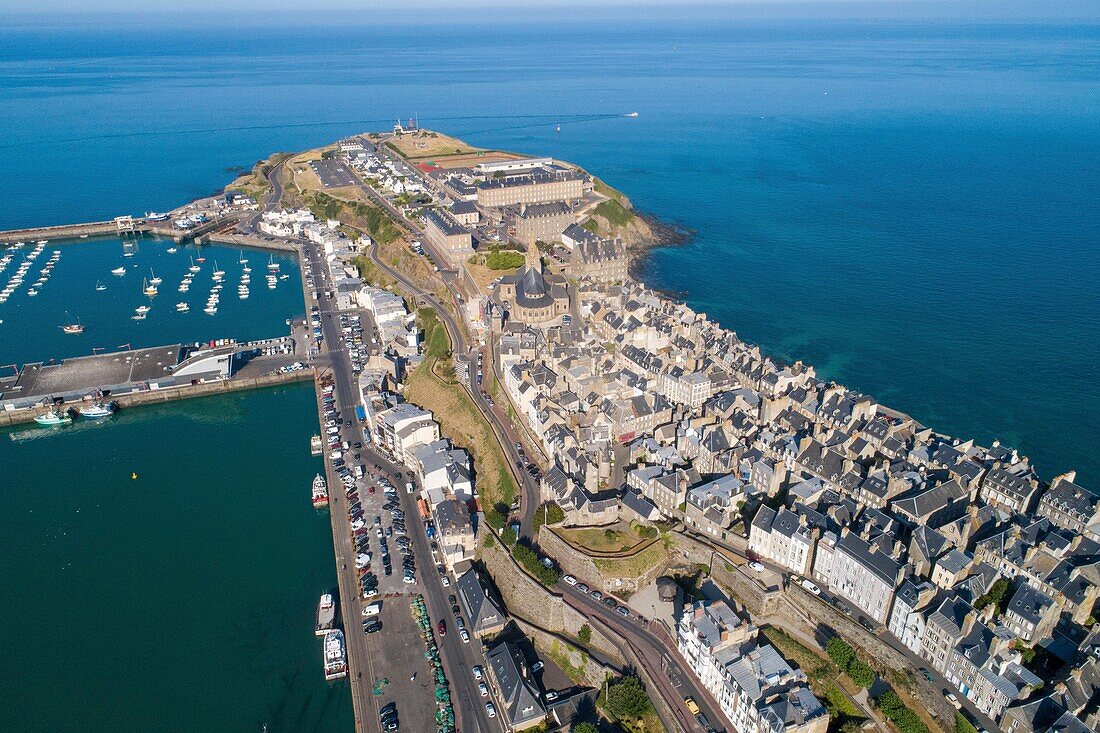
<point x="94" y="285"/>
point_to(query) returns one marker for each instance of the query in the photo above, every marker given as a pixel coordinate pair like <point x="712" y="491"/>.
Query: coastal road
<point x="457" y="658"/>
<point x="656" y="650"/>
<point x="500" y="425"/>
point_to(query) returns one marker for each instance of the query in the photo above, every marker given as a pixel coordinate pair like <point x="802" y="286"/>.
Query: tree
<point x="585" y="634"/>
<point x="628" y="699"/>
<point x="861" y="674"/>
<point x="840" y="652"/>
<point x="997" y="595"/>
<point x="585" y="728"/>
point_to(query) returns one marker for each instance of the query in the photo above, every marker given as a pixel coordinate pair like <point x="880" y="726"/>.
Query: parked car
<point x="810" y="586"/>
<point x="950" y="697"/>
<point x="756" y="567"/>
<point x="476" y="669"/>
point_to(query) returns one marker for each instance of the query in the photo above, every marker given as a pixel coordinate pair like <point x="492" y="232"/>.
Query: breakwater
<point x="170" y="394"/>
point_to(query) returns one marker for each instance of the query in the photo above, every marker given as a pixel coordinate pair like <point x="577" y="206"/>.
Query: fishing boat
<point x="182" y="307"/>
<point x="97" y="409"/>
<point x="272" y="265"/>
<point x="100" y="286"/>
<point x="73" y="328"/>
<point x="55" y="416"/>
<point x="336" y="660"/>
<point x="120" y="271"/>
<point x="320" y="492"/>
<point x="155" y="216"/>
<point x="148" y="289"/>
<point x="326" y="614"/>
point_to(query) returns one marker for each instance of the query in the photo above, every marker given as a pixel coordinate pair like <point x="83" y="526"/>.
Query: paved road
<point x="657" y="652"/>
<point x="457" y="657"/>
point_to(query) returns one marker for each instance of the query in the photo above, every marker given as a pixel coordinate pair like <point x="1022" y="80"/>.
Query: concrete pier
<point x="149" y="375"/>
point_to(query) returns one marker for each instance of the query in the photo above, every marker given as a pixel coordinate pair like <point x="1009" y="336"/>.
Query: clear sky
<point x="382" y="9"/>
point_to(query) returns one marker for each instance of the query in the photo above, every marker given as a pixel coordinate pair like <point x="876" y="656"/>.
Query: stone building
<point x="534" y="297"/>
<point x="538" y="187"/>
<point x="542" y="222"/>
<point x="446" y="233"/>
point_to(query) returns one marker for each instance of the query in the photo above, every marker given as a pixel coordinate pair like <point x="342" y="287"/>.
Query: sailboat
<point x="148" y="289"/>
<point x="272" y="265"/>
<point x="154" y="279"/>
<point x="100" y="286"/>
<point x="242" y="260"/>
<point x="73" y="327"/>
<point x="193" y="267"/>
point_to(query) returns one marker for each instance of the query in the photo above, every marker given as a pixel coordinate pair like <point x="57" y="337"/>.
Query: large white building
<point x="757" y="690"/>
<point x="783" y="538"/>
<point x="852" y="569"/>
<point x="404" y="427"/>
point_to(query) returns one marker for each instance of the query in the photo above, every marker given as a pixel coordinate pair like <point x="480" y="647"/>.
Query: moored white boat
<point x="336" y="660"/>
<point x="326" y="614"/>
<point x="97" y="410"/>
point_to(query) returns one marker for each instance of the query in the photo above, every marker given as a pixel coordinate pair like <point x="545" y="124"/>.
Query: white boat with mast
<point x="182" y="307"/>
<point x="150" y="290"/>
<point x="154" y="280"/>
<point x="272" y="265"/>
<point x="100" y="287"/>
<point x="193" y="267"/>
<point x="72" y="327"/>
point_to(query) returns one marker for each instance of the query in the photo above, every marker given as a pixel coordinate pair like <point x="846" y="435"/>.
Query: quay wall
<point x="170" y="394"/>
<point x="63" y="231"/>
<point x="527" y="599"/>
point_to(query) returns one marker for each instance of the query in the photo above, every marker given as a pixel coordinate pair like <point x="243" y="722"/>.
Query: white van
<point x="372" y="610"/>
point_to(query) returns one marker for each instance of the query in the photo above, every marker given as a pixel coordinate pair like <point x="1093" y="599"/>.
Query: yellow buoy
<point x="133" y="476"/>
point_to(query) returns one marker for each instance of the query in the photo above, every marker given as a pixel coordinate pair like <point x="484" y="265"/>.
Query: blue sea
<point x="908" y="205"/>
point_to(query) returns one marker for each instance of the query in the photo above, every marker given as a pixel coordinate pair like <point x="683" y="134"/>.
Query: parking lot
<point x="333" y="173"/>
<point x="399" y="672"/>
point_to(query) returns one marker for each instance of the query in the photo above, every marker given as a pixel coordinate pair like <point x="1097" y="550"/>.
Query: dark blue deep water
<point x="910" y="206"/>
